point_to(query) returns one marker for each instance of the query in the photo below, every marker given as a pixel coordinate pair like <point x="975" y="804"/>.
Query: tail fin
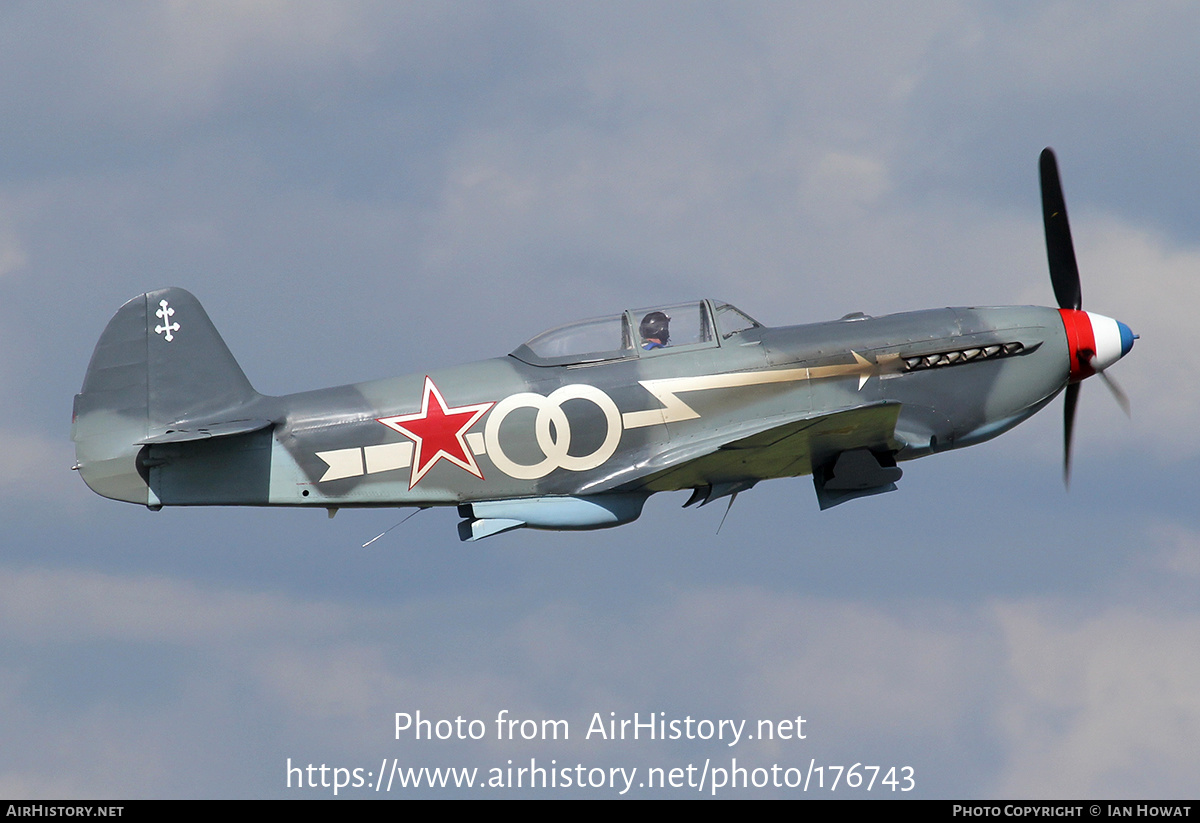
<point x="160" y="373"/>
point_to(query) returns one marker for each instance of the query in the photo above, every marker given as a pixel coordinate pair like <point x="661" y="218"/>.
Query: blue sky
<point x="357" y="190"/>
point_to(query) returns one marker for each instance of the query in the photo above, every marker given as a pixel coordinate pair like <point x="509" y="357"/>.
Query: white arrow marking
<point x="342" y="463"/>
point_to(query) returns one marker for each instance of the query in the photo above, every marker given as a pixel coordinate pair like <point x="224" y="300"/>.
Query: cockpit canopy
<point x="637" y="333"/>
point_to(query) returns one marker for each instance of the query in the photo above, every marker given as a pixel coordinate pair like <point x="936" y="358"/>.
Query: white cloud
<point x="1139" y="277"/>
<point x="42" y="605"/>
<point x="1179" y="556"/>
<point x="1105" y="705"/>
<point x="12" y="255"/>
<point x="34" y="467"/>
<point x="842" y="183"/>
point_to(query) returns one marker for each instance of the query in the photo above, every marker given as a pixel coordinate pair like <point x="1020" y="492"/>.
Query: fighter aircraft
<point x="577" y="427"/>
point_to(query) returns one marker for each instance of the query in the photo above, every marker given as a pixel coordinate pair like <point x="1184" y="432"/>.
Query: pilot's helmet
<point x="656" y="326"/>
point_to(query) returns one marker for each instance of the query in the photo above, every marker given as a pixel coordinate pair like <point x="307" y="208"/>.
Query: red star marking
<point x="438" y="432"/>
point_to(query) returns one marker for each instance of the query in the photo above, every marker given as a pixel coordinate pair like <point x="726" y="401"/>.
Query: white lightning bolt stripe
<point x="674" y="409"/>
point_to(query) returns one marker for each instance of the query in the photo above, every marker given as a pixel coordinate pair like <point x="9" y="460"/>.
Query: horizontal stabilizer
<point x="205" y="431"/>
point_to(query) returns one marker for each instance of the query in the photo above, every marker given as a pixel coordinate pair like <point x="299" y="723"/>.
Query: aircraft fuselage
<point x="959" y="376"/>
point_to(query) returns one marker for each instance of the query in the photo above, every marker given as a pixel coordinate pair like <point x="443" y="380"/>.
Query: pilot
<point x="655" y="330"/>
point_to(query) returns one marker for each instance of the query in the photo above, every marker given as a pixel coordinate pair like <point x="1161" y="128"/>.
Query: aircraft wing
<point x="779" y="446"/>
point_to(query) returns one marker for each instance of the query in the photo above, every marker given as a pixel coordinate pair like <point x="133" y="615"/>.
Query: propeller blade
<point x="1060" y="251"/>
<point x="1071" y="399"/>
<point x="1119" y="394"/>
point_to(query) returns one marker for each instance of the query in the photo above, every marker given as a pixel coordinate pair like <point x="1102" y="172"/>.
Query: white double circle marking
<point x="552" y="430"/>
